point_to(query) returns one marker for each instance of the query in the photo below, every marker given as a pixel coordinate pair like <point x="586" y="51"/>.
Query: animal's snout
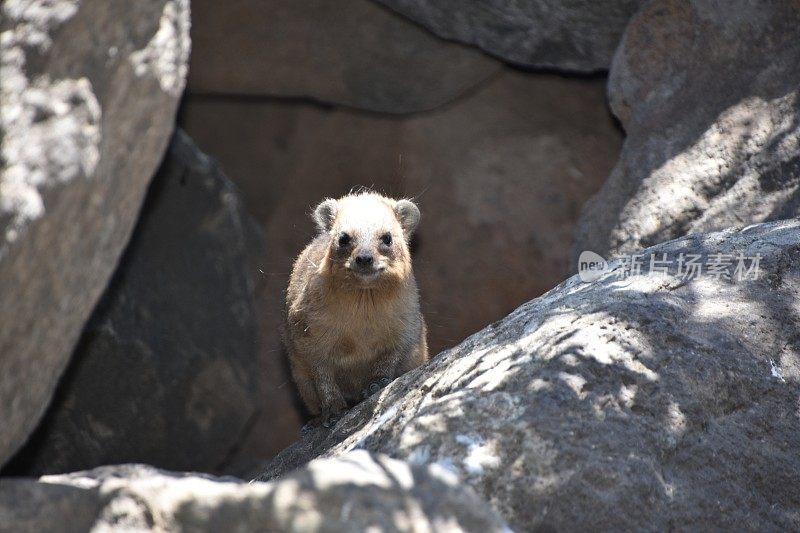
<point x="364" y="260"/>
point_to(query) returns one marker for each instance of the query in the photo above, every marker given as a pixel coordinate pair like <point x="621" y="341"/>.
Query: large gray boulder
<point x="166" y="370"/>
<point x="708" y="98"/>
<point x="348" y="52"/>
<point x="577" y="35"/>
<point x="356" y="492"/>
<point x="651" y="402"/>
<point x="88" y="94"/>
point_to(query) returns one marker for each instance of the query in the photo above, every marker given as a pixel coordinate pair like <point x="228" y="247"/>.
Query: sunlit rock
<point x="710" y="101"/>
<point x="652" y="398"/>
<point x="355" y="492"/>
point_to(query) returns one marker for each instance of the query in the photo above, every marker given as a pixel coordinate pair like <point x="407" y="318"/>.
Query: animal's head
<point x="368" y="238"/>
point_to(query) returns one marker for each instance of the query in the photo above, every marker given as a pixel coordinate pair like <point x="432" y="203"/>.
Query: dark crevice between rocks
<point x="20" y="464"/>
<point x="190" y="188"/>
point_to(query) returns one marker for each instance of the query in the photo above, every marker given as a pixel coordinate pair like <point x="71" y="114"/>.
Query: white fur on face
<point x="365" y="218"/>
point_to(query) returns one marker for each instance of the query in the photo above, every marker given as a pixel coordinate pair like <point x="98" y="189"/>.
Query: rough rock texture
<point x="88" y="92"/>
<point x="353" y="493"/>
<point x="350" y="52"/>
<point x="166" y="370"/>
<point x="578" y="35"/>
<point x="500" y="177"/>
<point x="652" y="403"/>
<point x="710" y="101"/>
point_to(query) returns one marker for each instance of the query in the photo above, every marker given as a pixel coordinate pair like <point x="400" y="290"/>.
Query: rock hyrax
<point x="353" y="320"/>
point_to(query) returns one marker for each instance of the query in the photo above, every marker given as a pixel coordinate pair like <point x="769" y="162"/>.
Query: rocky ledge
<point x="642" y="400"/>
<point x="351" y="493"/>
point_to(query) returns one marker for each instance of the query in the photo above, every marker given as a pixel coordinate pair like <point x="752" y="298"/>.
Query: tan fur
<point x="343" y="331"/>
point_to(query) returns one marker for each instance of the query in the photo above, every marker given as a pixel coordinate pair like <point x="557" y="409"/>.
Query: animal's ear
<point x="408" y="214"/>
<point x="325" y="214"/>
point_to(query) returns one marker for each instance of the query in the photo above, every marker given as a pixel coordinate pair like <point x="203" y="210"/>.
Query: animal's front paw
<point x="309" y="426"/>
<point x="374" y="387"/>
<point x="325" y="420"/>
<point x="331" y="419"/>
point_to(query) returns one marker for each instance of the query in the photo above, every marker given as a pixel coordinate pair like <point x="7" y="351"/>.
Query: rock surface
<point x="710" y="101"/>
<point x="652" y="402"/>
<point x="88" y="93"/>
<point x="500" y="177"/>
<point x="580" y="35"/>
<point x="355" y="492"/>
<point x="350" y="52"/>
<point x="166" y="370"/>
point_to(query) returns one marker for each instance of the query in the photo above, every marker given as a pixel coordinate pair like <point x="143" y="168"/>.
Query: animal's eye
<point x="386" y="239"/>
<point x="344" y="240"/>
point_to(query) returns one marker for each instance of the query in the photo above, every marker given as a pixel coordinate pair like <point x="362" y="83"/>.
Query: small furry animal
<point x="353" y="321"/>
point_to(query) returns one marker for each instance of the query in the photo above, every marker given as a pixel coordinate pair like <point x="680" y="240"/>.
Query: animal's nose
<point x="364" y="260"/>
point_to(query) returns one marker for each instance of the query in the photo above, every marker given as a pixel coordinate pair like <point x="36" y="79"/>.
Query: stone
<point x="350" y="52"/>
<point x="657" y="401"/>
<point x="579" y="36"/>
<point x="708" y="98"/>
<point x="166" y="371"/>
<point x="88" y="94"/>
<point x="500" y="177"/>
<point x="356" y="492"/>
